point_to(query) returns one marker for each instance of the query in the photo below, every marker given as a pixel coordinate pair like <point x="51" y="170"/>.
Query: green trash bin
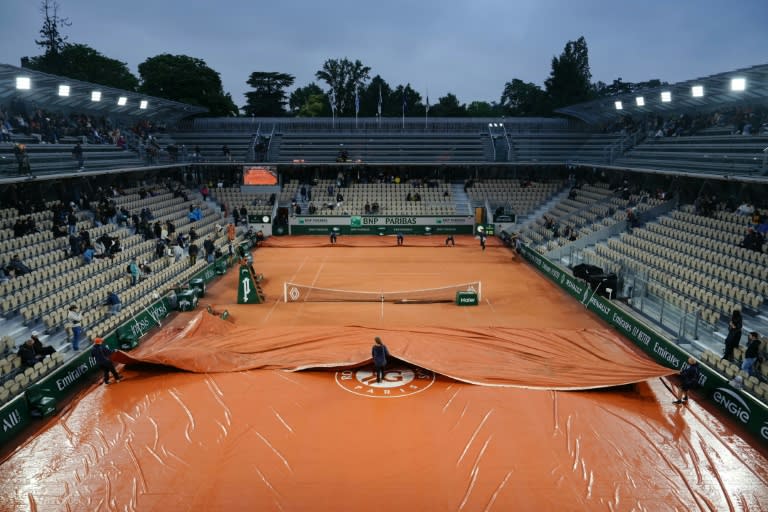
<point x="126" y="339"/>
<point x="198" y="285"/>
<point x="186" y="300"/>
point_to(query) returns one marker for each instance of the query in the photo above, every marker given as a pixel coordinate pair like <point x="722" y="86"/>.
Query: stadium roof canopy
<point x="716" y="91"/>
<point x="44" y="92"/>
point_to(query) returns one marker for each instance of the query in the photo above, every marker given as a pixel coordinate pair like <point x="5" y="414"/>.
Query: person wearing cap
<point x="379" y="353"/>
<point x="103" y="355"/>
<point x="40" y="349"/>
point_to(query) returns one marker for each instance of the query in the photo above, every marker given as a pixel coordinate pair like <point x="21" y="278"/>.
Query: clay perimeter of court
<point x="328" y="438"/>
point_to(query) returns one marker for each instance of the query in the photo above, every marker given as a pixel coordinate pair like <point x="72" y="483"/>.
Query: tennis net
<point x="295" y="292"/>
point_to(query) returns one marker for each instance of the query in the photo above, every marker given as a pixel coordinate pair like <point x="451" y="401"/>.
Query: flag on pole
<point x="357" y="101"/>
<point x="427" y="102"/>
<point x="380" y="102"/>
<point x="426" y="112"/>
<point x="404" y="103"/>
<point x="332" y="99"/>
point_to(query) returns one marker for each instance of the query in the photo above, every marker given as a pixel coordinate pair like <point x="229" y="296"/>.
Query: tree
<point x="412" y="99"/>
<point x="524" y="99"/>
<point x="51" y="39"/>
<point x="483" y="109"/>
<point x="269" y="96"/>
<point x="369" y="97"/>
<point x="188" y="80"/>
<point x="82" y="62"/>
<point x="344" y="77"/>
<point x="309" y="101"/>
<point x="448" y="106"/>
<point x="570" y="79"/>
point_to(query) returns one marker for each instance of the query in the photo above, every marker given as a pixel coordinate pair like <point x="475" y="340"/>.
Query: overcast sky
<point x="470" y="48"/>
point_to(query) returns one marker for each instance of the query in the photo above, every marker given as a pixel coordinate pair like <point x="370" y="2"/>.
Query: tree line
<point x="348" y="88"/>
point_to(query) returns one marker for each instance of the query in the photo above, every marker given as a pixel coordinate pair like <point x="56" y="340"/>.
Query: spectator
<point x="22" y="159"/>
<point x="113" y="302"/>
<point x="178" y="252"/>
<point x="231" y="232"/>
<point x="133" y="271"/>
<point x="753" y="240"/>
<point x="226" y="153"/>
<point x="210" y="249"/>
<point x="746" y="209"/>
<point x="77" y="154"/>
<point x="145" y="270"/>
<point x="750" y="355"/>
<point x="74" y="326"/>
<point x="734" y="334"/>
<point x="18" y="267"/>
<point x="27" y="354"/>
<point x="193" y="251"/>
<point x="244" y="215"/>
<point x="88" y="254"/>
<point x="40" y="349"/>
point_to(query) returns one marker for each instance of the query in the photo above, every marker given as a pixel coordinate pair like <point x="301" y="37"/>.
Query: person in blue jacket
<point x="380" y="354"/>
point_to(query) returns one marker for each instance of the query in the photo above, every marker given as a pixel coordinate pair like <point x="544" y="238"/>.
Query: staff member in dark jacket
<point x="103" y="356"/>
<point x="380" y="354"/>
<point x="689" y="377"/>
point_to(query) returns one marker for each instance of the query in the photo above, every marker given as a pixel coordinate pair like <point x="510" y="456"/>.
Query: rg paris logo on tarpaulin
<point x="399" y="381"/>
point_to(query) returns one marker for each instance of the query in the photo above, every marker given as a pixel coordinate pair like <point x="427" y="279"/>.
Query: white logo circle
<point x="398" y="381"/>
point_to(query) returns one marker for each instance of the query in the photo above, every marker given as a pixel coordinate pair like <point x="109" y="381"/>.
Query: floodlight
<point x="618" y="105"/>
<point x="23" y="82"/>
<point x="738" y="84"/>
<point x="95" y="95"/>
<point x="666" y="96"/>
<point x="490" y="125"/>
<point x="143" y="104"/>
<point x="640" y="101"/>
<point x="122" y="100"/>
<point x="64" y="90"/>
<point x="697" y="91"/>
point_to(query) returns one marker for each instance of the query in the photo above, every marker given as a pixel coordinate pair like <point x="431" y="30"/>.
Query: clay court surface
<point x="525" y="402"/>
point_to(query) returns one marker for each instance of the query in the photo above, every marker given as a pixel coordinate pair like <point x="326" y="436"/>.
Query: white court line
<point x="317" y="275"/>
<point x="408" y="274"/>
<point x="489" y="303"/>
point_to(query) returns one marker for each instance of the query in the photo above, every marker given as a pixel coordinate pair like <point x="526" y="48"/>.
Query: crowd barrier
<point x="737" y="404"/>
<point x="40" y="398"/>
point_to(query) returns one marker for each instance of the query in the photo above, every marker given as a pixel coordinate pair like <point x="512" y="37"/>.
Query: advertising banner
<point x="744" y="408"/>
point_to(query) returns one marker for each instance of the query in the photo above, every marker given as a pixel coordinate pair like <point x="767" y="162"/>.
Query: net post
<point x="479" y="291"/>
<point x="285" y="291"/>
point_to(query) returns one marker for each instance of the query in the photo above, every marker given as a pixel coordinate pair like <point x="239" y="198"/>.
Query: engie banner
<point x="744" y="408"/>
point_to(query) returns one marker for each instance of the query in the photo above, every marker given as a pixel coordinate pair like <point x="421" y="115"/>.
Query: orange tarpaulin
<point x="498" y="356"/>
<point x="269" y="439"/>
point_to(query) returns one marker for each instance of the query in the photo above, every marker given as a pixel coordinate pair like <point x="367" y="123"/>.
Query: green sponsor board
<point x="246" y="287"/>
<point x="64" y="380"/>
<point x="466" y="299"/>
<point x="744" y="408"/>
<point x="14" y="417"/>
<point x="381" y="225"/>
